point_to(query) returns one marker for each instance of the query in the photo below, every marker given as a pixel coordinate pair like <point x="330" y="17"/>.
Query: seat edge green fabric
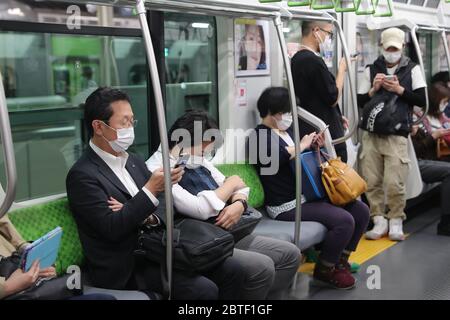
<point x="35" y="221"/>
<point x="247" y="173"/>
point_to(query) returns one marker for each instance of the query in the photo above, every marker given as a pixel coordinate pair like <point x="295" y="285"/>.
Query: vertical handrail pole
<point x="298" y="173"/>
<point x="422" y="68"/>
<point x="354" y="121"/>
<point x="8" y="153"/>
<point x="160" y="112"/>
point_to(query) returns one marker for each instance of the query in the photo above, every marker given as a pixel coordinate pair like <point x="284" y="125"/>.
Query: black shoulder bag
<point x="198" y="246"/>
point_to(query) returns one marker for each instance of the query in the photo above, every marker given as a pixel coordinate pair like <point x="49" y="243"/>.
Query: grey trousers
<point x="438" y="171"/>
<point x="270" y="266"/>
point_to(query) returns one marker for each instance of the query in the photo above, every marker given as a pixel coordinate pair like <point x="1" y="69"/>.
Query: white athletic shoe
<point x="396" y="229"/>
<point x="380" y="228"/>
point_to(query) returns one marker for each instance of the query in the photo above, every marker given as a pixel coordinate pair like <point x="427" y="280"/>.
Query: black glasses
<point x="331" y="33"/>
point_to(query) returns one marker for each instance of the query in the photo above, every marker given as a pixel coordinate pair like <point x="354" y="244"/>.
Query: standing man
<point x="392" y="81"/>
<point x="316" y="88"/>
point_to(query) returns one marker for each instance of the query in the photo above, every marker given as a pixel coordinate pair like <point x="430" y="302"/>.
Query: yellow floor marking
<point x="367" y="249"/>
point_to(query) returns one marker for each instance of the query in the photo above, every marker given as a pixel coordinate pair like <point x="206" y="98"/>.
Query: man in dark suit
<point x="105" y="174"/>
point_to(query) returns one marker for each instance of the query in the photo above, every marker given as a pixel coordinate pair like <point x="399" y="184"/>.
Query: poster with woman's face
<point x="251" y="47"/>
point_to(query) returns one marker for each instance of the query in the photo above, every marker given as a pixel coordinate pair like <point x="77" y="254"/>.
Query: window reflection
<point x="191" y="64"/>
<point x="47" y="77"/>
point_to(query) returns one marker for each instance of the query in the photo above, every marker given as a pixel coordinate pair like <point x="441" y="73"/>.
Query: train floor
<point x="417" y="268"/>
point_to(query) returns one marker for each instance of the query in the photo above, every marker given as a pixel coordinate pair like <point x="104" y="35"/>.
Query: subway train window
<point x="47" y="77"/>
<point x="191" y="64"/>
<point x="443" y="64"/>
<point x="62" y="13"/>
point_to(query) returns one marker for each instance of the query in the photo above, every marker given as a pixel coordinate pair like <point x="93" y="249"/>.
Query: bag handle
<point x="322" y="153"/>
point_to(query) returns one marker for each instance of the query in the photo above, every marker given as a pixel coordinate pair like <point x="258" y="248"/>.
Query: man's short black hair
<point x="187" y="121"/>
<point x="98" y="105"/>
<point x="274" y="100"/>
<point x="309" y="25"/>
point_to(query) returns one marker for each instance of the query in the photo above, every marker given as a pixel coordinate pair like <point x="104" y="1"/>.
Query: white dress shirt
<point x="117" y="165"/>
<point x="201" y="206"/>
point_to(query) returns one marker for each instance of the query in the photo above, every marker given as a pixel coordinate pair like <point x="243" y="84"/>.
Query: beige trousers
<point x="384" y="164"/>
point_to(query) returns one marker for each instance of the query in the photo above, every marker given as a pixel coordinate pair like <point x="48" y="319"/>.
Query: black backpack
<point x="381" y="114"/>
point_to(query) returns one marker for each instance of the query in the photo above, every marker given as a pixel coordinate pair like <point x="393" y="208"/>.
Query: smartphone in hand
<point x="390" y="77"/>
<point x="182" y="160"/>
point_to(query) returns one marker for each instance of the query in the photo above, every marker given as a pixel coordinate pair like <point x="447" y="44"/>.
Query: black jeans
<point x="223" y="282"/>
<point x="438" y="171"/>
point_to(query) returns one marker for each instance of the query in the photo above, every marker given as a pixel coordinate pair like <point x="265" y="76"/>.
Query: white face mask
<point x="194" y="162"/>
<point x="326" y="49"/>
<point x="392" y="57"/>
<point x="443" y="105"/>
<point x="285" y="122"/>
<point x="125" y="138"/>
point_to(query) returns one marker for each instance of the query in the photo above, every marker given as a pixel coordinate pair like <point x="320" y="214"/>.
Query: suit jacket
<point x="108" y="238"/>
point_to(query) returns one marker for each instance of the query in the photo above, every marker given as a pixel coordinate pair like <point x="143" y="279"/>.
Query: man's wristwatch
<point x="244" y="203"/>
<point x="151" y="221"/>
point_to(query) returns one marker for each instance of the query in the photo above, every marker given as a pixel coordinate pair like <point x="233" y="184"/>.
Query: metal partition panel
<point x="318" y="123"/>
<point x="8" y="153"/>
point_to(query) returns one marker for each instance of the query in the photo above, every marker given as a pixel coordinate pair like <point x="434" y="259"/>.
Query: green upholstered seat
<point x="35" y="221"/>
<point x="247" y="173"/>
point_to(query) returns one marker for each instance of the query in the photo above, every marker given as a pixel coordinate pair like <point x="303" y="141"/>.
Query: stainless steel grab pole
<point x="160" y="112"/>
<point x="8" y="153"/>
<point x="353" y="97"/>
<point x="298" y="173"/>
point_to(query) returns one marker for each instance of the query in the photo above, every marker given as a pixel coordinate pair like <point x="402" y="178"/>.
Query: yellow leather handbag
<point x="342" y="184"/>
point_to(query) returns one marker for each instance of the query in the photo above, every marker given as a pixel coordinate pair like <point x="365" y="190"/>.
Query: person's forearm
<point x="238" y="196"/>
<point x="363" y="99"/>
<point x="340" y="85"/>
<point x="225" y="191"/>
<point x="416" y="97"/>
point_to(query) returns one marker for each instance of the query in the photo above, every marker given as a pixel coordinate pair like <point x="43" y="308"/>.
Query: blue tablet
<point x="44" y="249"/>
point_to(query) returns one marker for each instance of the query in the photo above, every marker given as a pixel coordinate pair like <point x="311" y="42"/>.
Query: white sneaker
<point x="379" y="230"/>
<point x="396" y="229"/>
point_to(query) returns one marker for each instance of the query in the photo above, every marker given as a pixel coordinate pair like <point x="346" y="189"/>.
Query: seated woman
<point x="11" y="242"/>
<point x="436" y="118"/>
<point x="425" y="139"/>
<point x="345" y="225"/>
<point x="205" y="193"/>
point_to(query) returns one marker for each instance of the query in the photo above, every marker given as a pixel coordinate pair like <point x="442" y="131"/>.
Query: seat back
<point x="247" y="173"/>
<point x="35" y="221"/>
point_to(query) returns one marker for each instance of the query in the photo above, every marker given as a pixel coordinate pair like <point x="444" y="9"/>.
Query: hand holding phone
<point x="390" y="77"/>
<point x="321" y="132"/>
<point x="182" y="160"/>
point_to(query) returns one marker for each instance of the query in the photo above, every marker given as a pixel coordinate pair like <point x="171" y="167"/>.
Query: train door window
<point x="443" y="64"/>
<point x="425" y="43"/>
<point x="191" y="64"/>
<point x="47" y="77"/>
